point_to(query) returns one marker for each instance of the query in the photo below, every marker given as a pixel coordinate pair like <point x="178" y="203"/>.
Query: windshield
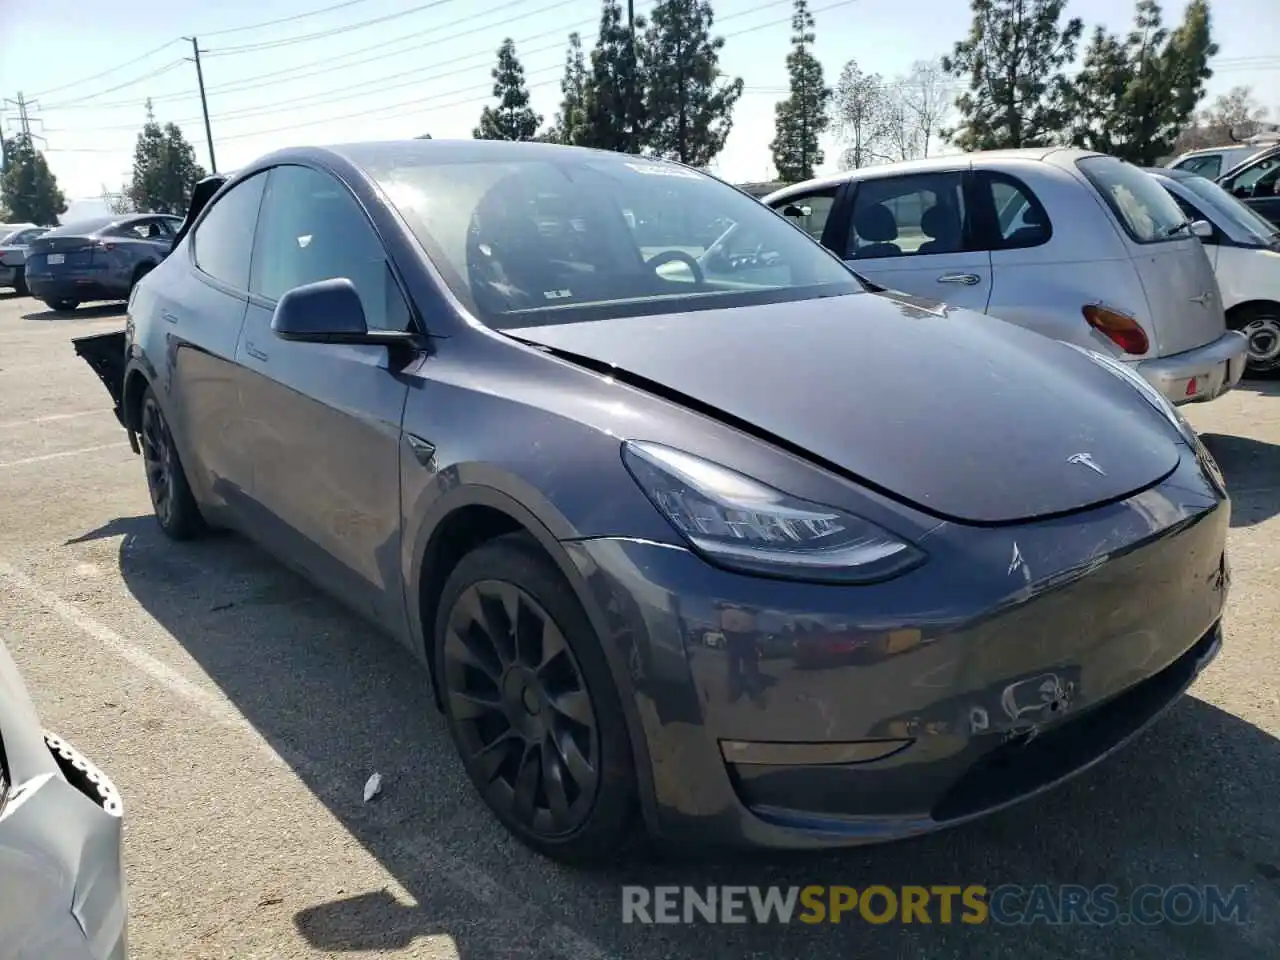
<point x="1145" y="210"/>
<point x="585" y="237"/>
<point x="1229" y="208"/>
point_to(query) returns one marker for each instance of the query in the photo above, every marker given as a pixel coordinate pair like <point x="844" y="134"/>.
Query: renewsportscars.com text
<point x="1006" y="905"/>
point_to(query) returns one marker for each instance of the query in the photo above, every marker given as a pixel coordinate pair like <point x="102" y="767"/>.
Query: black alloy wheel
<point x="175" y="508"/>
<point x="525" y="721"/>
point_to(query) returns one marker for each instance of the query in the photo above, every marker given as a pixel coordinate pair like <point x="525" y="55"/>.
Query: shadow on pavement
<point x="1265" y="387"/>
<point x="98" y="311"/>
<point x="1252" y="469"/>
<point x="1193" y="801"/>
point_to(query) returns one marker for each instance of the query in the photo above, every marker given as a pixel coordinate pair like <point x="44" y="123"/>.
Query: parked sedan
<point x="13" y="257"/>
<point x="1245" y="252"/>
<point x="99" y="259"/>
<point x="446" y="381"/>
<point x="1078" y="246"/>
<point x="1256" y="181"/>
<point x="60" y="828"/>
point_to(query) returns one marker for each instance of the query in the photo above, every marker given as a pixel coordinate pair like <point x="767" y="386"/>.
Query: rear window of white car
<point x="1143" y="207"/>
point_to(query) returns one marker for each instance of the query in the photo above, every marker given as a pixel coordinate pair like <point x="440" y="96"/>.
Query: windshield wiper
<point x="1178" y="228"/>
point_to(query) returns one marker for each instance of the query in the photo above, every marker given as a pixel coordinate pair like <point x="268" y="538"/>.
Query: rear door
<point x="324" y="419"/>
<point x="913" y="233"/>
<point x="1183" y="300"/>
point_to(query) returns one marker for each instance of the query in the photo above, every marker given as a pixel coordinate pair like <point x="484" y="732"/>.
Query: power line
<point x="115" y="69"/>
<point x="129" y="83"/>
<point x="280" y="20"/>
<point x="327" y="65"/>
<point x="325" y="34"/>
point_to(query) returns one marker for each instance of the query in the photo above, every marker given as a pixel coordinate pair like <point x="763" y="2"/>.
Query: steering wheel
<point x="678" y="256"/>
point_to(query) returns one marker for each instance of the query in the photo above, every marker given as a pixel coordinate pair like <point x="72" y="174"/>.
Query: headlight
<point x="742" y="524"/>
<point x="1139" y="383"/>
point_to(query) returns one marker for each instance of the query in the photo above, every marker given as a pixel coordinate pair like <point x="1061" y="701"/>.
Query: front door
<point x="912" y="233"/>
<point x="324" y="419"/>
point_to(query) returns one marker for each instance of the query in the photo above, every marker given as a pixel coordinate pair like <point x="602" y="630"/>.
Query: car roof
<point x="1062" y="156"/>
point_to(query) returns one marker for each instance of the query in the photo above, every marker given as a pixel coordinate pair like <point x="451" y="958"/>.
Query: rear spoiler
<point x="200" y="197"/>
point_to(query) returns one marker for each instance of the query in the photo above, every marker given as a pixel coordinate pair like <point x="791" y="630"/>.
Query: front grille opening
<point x="1021" y="766"/>
<point x="84" y="776"/>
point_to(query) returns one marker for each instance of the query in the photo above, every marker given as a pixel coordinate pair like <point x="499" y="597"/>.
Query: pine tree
<point x="571" y="122"/>
<point x="689" y="106"/>
<point x="512" y="118"/>
<point x="164" y="169"/>
<point x="615" y="97"/>
<point x="1013" y="60"/>
<point x="1133" y="98"/>
<point x="28" y="188"/>
<point x="803" y="116"/>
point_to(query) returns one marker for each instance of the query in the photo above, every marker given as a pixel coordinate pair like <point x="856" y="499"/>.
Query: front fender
<point x="481" y="485"/>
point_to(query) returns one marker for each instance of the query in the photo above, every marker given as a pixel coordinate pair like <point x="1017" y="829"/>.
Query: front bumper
<point x="61" y="870"/>
<point x="845" y="715"/>
<point x="1204" y="373"/>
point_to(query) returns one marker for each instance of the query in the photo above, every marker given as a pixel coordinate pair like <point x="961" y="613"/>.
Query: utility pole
<point x="24" y="113"/>
<point x="204" y="103"/>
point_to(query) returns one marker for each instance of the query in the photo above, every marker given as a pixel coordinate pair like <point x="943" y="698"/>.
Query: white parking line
<point x="457" y="872"/>
<point x="65" y="453"/>
<point x="50" y="418"/>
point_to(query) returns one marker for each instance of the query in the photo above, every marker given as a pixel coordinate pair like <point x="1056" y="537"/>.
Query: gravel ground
<point x="240" y="713"/>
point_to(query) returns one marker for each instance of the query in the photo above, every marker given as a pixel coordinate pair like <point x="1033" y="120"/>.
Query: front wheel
<point x="62" y="306"/>
<point x="171" y="499"/>
<point x="20" y="283"/>
<point x="531" y="704"/>
<point x="1262" y="326"/>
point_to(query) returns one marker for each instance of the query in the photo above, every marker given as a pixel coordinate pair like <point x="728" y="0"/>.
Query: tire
<point x="1261" y="324"/>
<point x="62" y="306"/>
<point x="171" y="499"/>
<point x="497" y="706"/>
<point x="20" y="282"/>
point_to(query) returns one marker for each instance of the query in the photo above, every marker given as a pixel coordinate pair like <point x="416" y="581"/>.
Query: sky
<point x="384" y="69"/>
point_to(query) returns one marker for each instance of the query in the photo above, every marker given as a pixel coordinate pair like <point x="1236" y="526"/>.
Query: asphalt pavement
<point x="240" y="713"/>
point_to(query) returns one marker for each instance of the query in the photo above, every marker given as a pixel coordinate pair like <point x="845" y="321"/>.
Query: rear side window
<point x="1147" y="213"/>
<point x="223" y="241"/>
<point x="1021" y="219"/>
<point x="1208" y="166"/>
<point x="915" y="215"/>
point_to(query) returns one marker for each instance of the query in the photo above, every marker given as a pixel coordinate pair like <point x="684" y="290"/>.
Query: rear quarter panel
<point x="1085" y="261"/>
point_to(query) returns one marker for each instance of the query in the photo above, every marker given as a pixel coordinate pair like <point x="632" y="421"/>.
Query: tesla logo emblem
<point x="1086" y="460"/>
<point x="1016" y="562"/>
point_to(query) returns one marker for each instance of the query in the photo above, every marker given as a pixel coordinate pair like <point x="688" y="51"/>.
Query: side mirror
<point x="328" y="311"/>
<point x="1202" y="229"/>
<point x="793" y="210"/>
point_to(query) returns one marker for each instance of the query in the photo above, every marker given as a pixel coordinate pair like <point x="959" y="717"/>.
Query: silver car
<point x="13" y="256"/>
<point x="1079" y="246"/>
<point x="61" y="873"/>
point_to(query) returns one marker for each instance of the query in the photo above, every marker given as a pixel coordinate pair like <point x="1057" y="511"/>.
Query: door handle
<point x="254" y="352"/>
<point x="968" y="279"/>
<point x="168" y="318"/>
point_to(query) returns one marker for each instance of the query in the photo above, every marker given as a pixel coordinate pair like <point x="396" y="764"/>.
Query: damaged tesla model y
<point x="692" y="534"/>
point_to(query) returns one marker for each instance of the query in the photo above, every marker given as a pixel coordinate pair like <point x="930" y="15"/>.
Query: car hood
<point x="964" y="416"/>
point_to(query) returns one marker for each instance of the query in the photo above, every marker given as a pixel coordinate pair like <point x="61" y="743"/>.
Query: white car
<point x="1213" y="162"/>
<point x="1079" y="246"/>
<point x="1244" y="248"/>
<point x="62" y="886"/>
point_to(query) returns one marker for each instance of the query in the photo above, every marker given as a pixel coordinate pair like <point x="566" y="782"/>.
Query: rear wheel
<point x="175" y="508"/>
<point x="62" y="306"/>
<point x="1261" y="324"/>
<point x="531" y="704"/>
